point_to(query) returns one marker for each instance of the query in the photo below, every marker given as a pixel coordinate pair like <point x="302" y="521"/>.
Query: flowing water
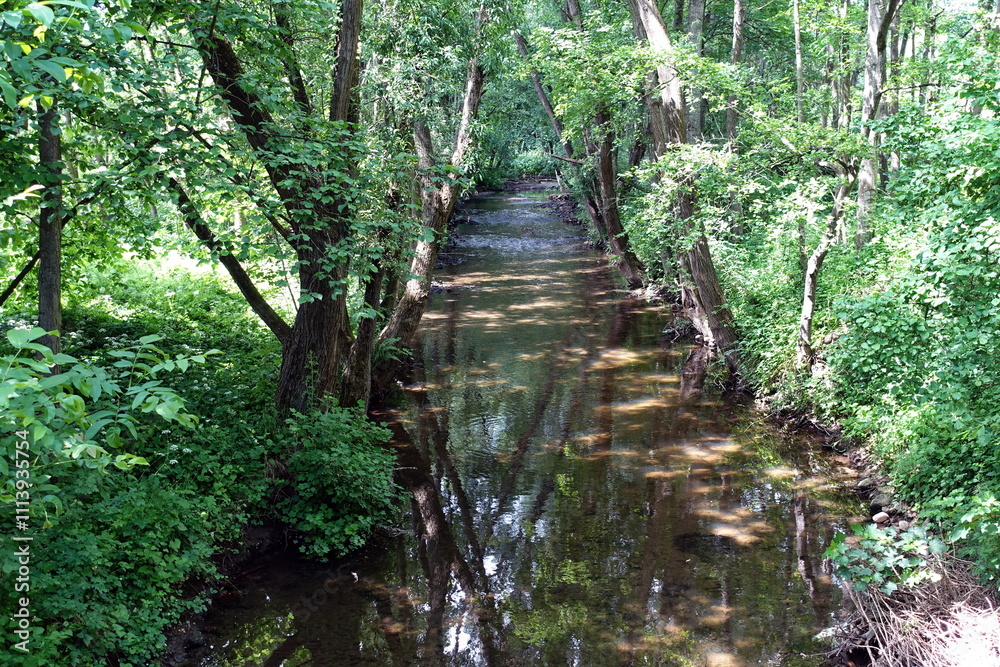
<point x="578" y="496"/>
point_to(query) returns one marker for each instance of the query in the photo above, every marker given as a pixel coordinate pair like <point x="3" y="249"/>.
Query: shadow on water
<point x="577" y="496"/>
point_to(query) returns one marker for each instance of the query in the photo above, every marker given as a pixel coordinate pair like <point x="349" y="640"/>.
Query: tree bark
<point x="736" y="57"/>
<point x="804" y="350"/>
<point x="880" y="18"/>
<point x="594" y="189"/>
<point x="356" y="384"/>
<point x="437" y="204"/>
<point x="313" y="350"/>
<point x="543" y="98"/>
<point x="800" y="80"/>
<point x="842" y="78"/>
<point x="50" y="230"/>
<point x="625" y="259"/>
<point x="695" y="30"/>
<point x="700" y="287"/>
<point x="896" y="49"/>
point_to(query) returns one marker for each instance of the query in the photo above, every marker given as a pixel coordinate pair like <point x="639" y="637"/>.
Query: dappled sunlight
<point x="637" y="406"/>
<point x="719" y="659"/>
<point x="744" y="535"/>
<point x="575" y="490"/>
<point x="716" y="615"/>
<point x="781" y="473"/>
<point x="709" y="451"/>
<point x="664" y="474"/>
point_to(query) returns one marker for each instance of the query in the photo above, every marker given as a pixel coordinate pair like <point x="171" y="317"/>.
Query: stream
<point x="580" y="491"/>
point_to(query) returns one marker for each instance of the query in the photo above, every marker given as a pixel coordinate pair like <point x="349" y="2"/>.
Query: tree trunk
<point x="356" y="384"/>
<point x="880" y="17"/>
<point x="804" y="351"/>
<point x="626" y="260"/>
<point x="842" y="80"/>
<point x="543" y="98"/>
<point x="314" y="347"/>
<point x="695" y="29"/>
<point x="242" y="280"/>
<point x="50" y="230"/>
<point x="736" y="58"/>
<point x="897" y="45"/>
<point x="701" y="288"/>
<point x="703" y="295"/>
<point x="594" y="188"/>
<point x="800" y="81"/>
<point x="437" y="204"/>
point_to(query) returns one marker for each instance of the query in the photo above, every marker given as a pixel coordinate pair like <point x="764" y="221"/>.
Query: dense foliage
<point x="844" y="206"/>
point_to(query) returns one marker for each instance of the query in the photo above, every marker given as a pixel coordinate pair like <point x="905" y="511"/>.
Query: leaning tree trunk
<point x="626" y="260"/>
<point x="735" y="58"/>
<point x="695" y="29"/>
<point x="356" y="383"/>
<point x="600" y="193"/>
<point x="50" y="230"/>
<point x="437" y="204"/>
<point x="800" y="79"/>
<point x="543" y="98"/>
<point x="702" y="290"/>
<point x="804" y="350"/>
<point x="842" y="78"/>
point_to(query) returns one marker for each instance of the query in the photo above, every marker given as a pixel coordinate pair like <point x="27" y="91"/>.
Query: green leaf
<point x="42" y="14"/>
<point x="166" y="410"/>
<point x="69" y="3"/>
<point x="56" y="71"/>
<point x="152" y="338"/>
<point x="74" y="405"/>
<point x="20" y="337"/>
<point x="13" y="19"/>
<point x="9" y="94"/>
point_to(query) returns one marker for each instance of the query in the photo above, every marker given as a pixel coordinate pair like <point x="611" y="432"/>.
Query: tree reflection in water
<point x="578" y="497"/>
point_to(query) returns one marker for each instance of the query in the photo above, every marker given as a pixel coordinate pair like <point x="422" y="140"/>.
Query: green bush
<point x="341" y="484"/>
<point x="535" y="162"/>
<point x="107" y="581"/>
<point x="973" y="525"/>
<point x="883" y="558"/>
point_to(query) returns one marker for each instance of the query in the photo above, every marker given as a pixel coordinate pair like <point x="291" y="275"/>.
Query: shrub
<point x="341" y="484"/>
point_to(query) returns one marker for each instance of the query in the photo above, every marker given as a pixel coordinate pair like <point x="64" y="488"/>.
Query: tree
<point x="701" y="292"/>
<point x="590" y="117"/>
<point x="881" y="14"/>
<point x="53" y="61"/>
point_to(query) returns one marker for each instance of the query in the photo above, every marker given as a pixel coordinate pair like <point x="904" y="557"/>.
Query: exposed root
<point x="953" y="622"/>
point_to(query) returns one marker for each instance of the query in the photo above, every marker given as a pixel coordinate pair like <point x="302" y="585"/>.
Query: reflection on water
<point x="577" y="497"/>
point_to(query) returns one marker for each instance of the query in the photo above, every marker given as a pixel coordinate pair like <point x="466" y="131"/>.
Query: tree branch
<point x="194" y="221"/>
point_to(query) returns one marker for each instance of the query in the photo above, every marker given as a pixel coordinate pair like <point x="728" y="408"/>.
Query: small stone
<point x="903" y="525"/>
<point x="880" y="502"/>
<point x="881" y="517"/>
<point x="866" y="483"/>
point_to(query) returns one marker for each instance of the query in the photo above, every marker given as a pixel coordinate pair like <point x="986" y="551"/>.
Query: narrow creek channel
<point x="578" y="496"/>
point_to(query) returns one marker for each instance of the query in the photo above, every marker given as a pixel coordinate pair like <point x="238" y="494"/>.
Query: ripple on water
<point x="508" y="245"/>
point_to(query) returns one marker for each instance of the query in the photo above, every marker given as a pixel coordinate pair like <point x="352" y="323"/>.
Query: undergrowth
<point x="132" y="551"/>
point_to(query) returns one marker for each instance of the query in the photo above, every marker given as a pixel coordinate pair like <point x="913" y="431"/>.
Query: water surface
<point x="578" y="496"/>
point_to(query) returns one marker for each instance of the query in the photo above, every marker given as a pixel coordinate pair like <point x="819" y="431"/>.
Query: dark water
<point x="579" y="496"/>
